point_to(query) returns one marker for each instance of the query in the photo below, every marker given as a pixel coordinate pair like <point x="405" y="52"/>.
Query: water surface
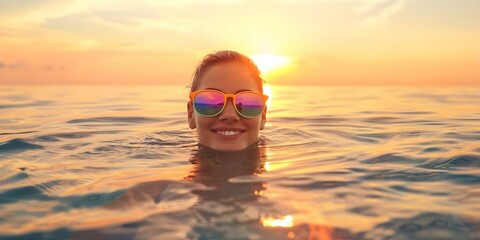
<point x="332" y="163"/>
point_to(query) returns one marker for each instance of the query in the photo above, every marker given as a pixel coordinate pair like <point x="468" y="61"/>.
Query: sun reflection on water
<point x="267" y="167"/>
<point x="286" y="221"/>
<point x="267" y="90"/>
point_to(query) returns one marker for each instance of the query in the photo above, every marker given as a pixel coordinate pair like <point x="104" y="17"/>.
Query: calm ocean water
<point x="333" y="163"/>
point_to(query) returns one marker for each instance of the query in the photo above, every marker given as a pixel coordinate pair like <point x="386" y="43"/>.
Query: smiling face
<point x="227" y="131"/>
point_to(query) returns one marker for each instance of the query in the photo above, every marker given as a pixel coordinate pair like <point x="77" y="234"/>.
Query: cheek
<point x="203" y="122"/>
<point x="253" y="123"/>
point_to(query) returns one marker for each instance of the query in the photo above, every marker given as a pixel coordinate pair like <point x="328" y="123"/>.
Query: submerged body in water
<point x="353" y="164"/>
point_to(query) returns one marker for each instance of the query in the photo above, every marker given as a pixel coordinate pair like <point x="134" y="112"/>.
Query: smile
<point x="227" y="133"/>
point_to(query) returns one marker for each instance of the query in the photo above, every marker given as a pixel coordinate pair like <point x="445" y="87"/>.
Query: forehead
<point x="229" y="78"/>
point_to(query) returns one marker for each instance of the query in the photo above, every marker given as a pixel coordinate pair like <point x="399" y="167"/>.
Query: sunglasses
<point x="210" y="103"/>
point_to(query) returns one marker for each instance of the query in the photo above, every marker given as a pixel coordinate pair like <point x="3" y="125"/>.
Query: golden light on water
<point x="258" y="193"/>
<point x="267" y="90"/>
<point x="286" y="221"/>
<point x="267" y="166"/>
<point x="268" y="63"/>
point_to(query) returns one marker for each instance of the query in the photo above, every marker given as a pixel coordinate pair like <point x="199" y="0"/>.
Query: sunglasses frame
<point x="226" y="96"/>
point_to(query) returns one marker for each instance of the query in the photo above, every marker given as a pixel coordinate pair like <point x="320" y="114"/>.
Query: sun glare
<point x="286" y="221"/>
<point x="268" y="63"/>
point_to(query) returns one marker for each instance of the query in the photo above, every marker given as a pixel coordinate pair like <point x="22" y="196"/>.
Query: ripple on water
<point x="386" y="135"/>
<point x="16" y="133"/>
<point x="422" y="175"/>
<point x="30" y="104"/>
<point x="23" y="193"/>
<point x="72" y="135"/>
<point x="314" y="185"/>
<point x="168" y="138"/>
<point x="463" y="136"/>
<point x="405" y="175"/>
<point x="150" y="140"/>
<point x="406" y="189"/>
<point x="292" y="137"/>
<point x="316" y="119"/>
<point x="115" y="120"/>
<point x="247" y="179"/>
<point x="455" y="162"/>
<point x="291" y="132"/>
<point x="422" y="226"/>
<point x="73" y="146"/>
<point x="389" y="135"/>
<point x="383" y="120"/>
<point x="56" y="185"/>
<point x="111" y="208"/>
<point x="392" y="158"/>
<point x="14" y="178"/>
<point x="368" y="211"/>
<point x="434" y="149"/>
<point x="90" y="200"/>
<point x="349" y="136"/>
<point x="17" y="144"/>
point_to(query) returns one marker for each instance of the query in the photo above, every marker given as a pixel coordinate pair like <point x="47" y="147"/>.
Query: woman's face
<point x="227" y="78"/>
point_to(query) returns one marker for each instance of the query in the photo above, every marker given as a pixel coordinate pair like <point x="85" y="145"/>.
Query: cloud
<point x="16" y="66"/>
<point x="146" y="18"/>
<point x="52" y="68"/>
<point x="105" y="19"/>
<point x="378" y="12"/>
<point x="13" y="66"/>
<point x="21" y="66"/>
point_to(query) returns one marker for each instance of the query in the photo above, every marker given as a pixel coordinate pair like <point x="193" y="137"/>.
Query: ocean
<point x="119" y="162"/>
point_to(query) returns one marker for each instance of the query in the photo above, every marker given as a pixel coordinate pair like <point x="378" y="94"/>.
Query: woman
<point x="227" y="105"/>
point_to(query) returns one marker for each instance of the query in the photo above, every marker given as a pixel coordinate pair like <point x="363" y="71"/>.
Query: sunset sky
<point x="324" y="42"/>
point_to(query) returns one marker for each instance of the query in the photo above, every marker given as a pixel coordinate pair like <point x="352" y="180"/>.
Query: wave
<point x="14" y="133"/>
<point x="114" y="120"/>
<point x="460" y="161"/>
<point x="71" y="135"/>
<point x="391" y="158"/>
<point x="31" y="104"/>
<point x="18" y="144"/>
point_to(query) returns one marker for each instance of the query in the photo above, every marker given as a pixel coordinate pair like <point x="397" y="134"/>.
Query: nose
<point x="229" y="115"/>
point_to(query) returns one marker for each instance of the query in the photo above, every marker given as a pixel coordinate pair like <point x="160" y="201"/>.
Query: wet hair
<point x="225" y="56"/>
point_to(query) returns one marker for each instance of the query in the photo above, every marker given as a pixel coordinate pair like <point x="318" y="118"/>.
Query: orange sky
<point x="328" y="42"/>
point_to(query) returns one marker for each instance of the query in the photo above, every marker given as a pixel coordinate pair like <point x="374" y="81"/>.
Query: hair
<point x="225" y="56"/>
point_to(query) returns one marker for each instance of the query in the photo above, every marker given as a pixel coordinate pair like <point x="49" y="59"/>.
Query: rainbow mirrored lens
<point x="209" y="103"/>
<point x="249" y="104"/>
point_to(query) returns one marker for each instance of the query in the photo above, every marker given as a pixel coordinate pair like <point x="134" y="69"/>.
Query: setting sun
<point x="268" y="63"/>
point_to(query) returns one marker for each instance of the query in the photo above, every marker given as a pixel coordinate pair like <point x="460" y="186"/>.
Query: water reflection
<point x="225" y="197"/>
<point x="222" y="198"/>
<point x="236" y="205"/>
<point x="216" y="170"/>
<point x="424" y="226"/>
<point x="231" y="203"/>
<point x="286" y="221"/>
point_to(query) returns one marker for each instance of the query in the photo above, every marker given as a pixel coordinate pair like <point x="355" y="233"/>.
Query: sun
<point x="268" y="63"/>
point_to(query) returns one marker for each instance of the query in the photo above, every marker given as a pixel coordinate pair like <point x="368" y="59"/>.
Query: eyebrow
<point x="243" y="90"/>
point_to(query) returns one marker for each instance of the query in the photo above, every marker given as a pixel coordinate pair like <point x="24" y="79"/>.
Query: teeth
<point x="228" y="133"/>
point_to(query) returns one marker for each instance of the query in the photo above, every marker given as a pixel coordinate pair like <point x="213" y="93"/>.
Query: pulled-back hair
<point x="225" y="56"/>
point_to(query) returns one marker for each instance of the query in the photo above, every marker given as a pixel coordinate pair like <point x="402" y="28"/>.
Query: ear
<point x="191" y="115"/>
<point x="264" y="118"/>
